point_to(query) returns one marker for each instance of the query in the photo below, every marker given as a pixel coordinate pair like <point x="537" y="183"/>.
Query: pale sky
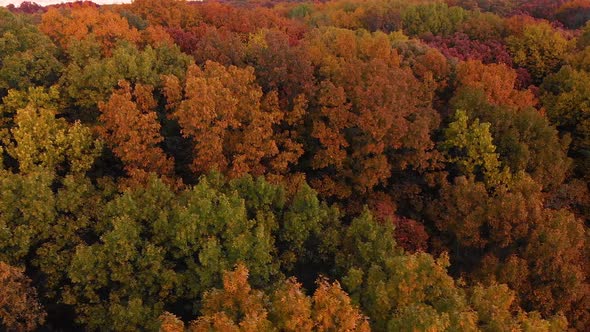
<point x="49" y="2"/>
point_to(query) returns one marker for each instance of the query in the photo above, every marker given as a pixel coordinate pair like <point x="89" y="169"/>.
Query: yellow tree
<point x="38" y="138"/>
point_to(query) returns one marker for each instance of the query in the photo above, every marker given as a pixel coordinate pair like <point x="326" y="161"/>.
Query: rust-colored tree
<point x="497" y="81"/>
<point x="130" y="127"/>
<point x="371" y="116"/>
<point x="167" y="13"/>
<point x="230" y="121"/>
<point x="19" y="307"/>
<point x="238" y="307"/>
<point x="81" y="22"/>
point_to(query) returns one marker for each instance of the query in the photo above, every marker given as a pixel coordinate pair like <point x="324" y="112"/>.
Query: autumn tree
<point x="409" y="234"/>
<point x="540" y="8"/>
<point x="28" y="57"/>
<point x="206" y="42"/>
<point x="500" y="7"/>
<point x="280" y="66"/>
<point x="291" y="309"/>
<point x="498" y="238"/>
<point x="246" y="20"/>
<point x="130" y="126"/>
<point x="540" y="49"/>
<point x="156" y="36"/>
<point x="238" y="307"/>
<point x="397" y="291"/>
<point x="524" y="138"/>
<point x="168" y="13"/>
<point x="235" y="308"/>
<point x="434" y="18"/>
<point x="27" y="7"/>
<point x="574" y="14"/>
<point x="428" y="64"/>
<point x="230" y="120"/>
<point x="495" y="305"/>
<point x="483" y="26"/>
<point x="82" y="22"/>
<point x="497" y="81"/>
<point x="584" y="38"/>
<point x="494" y="214"/>
<point x="90" y="78"/>
<point x="462" y="47"/>
<point x="344" y="165"/>
<point x="371" y="126"/>
<point x="20" y="309"/>
<point x="333" y="309"/>
<point x="565" y="95"/>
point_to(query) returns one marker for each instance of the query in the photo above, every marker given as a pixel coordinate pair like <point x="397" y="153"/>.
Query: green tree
<point x="399" y="291"/>
<point x="566" y="95"/>
<point x="27" y="211"/>
<point x="157" y="248"/>
<point x="38" y="138"/>
<point x="494" y="305"/>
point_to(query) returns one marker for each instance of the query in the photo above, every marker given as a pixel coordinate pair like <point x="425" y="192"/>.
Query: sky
<point x="49" y="2"/>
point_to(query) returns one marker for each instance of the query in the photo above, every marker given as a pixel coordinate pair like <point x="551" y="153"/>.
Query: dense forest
<point x="345" y="165"/>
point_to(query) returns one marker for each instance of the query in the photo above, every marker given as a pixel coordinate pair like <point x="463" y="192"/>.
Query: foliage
<point x="131" y="129"/>
<point x="470" y="148"/>
<point x="539" y="49"/>
<point x="230" y="121"/>
<point x="565" y="95"/>
<point x="460" y="46"/>
<point x="87" y="22"/>
<point x="19" y="308"/>
<point x="434" y="18"/>
<point x="27" y="57"/>
<point x="89" y="78"/>
<point x="269" y="165"/>
<point x="238" y="307"/>
<point x="524" y="138"/>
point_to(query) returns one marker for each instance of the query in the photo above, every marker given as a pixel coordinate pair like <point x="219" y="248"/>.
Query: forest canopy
<point x="268" y="165"/>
